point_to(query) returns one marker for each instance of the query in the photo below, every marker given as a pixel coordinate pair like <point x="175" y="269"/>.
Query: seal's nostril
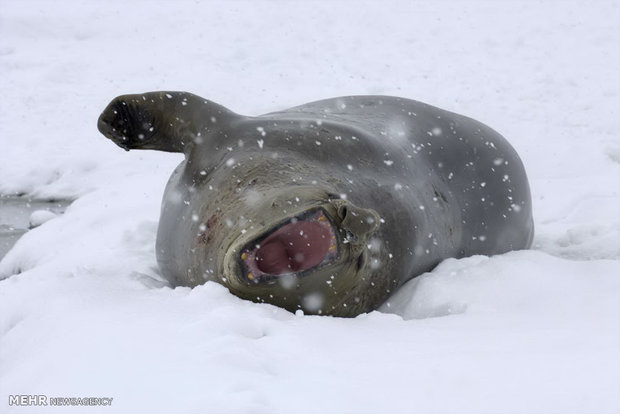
<point x="360" y="261"/>
<point x="342" y="212"/>
<point x="357" y="222"/>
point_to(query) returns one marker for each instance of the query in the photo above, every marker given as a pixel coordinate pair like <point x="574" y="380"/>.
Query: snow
<point x="88" y="315"/>
<point x="39" y="217"/>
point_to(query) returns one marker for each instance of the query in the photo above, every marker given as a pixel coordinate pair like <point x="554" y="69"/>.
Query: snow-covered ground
<point x="84" y="313"/>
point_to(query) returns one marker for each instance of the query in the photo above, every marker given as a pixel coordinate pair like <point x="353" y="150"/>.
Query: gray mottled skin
<point x="405" y="184"/>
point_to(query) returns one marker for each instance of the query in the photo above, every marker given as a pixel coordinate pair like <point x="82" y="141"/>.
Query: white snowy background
<point x="88" y="315"/>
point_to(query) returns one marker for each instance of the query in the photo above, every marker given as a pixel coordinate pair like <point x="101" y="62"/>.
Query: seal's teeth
<point x="244" y="256"/>
<point x="322" y="218"/>
<point x="251" y="276"/>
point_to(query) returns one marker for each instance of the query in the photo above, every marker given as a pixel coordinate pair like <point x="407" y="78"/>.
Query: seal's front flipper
<point x="163" y="121"/>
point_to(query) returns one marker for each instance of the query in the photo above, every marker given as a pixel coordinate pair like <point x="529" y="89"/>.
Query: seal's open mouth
<point x="299" y="244"/>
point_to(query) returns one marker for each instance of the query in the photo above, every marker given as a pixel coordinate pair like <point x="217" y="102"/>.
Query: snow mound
<point x="514" y="283"/>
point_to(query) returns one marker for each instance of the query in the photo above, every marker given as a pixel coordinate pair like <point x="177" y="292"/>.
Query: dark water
<point x="15" y="217"/>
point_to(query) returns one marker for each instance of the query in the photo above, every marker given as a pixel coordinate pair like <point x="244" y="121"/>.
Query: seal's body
<point x="327" y="207"/>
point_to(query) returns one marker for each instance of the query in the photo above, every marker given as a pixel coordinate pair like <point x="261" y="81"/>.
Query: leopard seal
<point x="328" y="207"/>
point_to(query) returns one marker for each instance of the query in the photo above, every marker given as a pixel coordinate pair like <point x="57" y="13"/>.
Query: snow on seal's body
<point x="327" y="207"/>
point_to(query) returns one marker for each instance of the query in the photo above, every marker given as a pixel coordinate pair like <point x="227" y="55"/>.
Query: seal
<point x="327" y="207"/>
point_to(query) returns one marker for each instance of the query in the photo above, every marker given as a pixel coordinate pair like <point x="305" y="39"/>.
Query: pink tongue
<point x="293" y="248"/>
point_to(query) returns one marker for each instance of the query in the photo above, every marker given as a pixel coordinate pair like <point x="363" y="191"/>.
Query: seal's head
<point x="297" y="247"/>
<point x="327" y="236"/>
